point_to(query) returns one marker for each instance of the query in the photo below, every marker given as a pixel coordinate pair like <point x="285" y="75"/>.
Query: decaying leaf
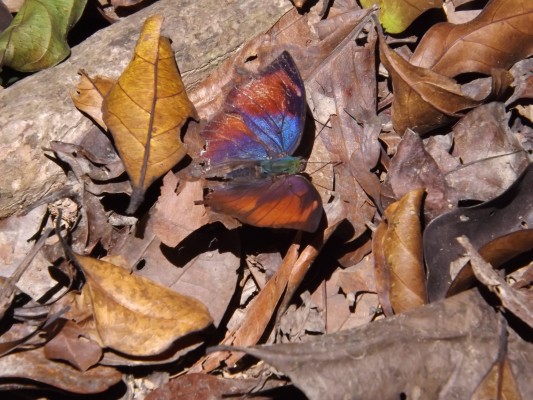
<point x="89" y="95"/>
<point x="176" y="215"/>
<point x="507" y="213"/>
<point x="71" y="346"/>
<point x="37" y="36"/>
<point x="134" y="315"/>
<point x="397" y="15"/>
<point x="204" y="266"/>
<point x="499" y="383"/>
<point x="497" y="252"/>
<point x="33" y="365"/>
<point x="402" y="250"/>
<point x="428" y="351"/>
<point x="519" y="302"/>
<point x="491" y="156"/>
<point x="145" y="110"/>
<point x="203" y="386"/>
<point x="497" y="38"/>
<point x="423" y="99"/>
<point x="381" y="270"/>
<point x="5" y="16"/>
<point x="413" y="167"/>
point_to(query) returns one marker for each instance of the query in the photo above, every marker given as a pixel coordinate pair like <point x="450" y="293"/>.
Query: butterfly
<point x="248" y="164"/>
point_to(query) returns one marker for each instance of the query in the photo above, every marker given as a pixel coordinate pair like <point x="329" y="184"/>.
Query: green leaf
<point x="37" y="36"/>
<point x="396" y="15"/>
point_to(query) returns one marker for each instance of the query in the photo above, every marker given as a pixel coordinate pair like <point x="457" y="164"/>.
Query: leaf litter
<point x="409" y="132"/>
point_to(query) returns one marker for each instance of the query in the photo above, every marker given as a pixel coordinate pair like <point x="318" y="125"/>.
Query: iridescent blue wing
<point x="262" y="119"/>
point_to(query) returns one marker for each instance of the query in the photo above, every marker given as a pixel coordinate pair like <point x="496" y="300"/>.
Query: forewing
<point x="273" y="105"/>
<point x="263" y="118"/>
<point x="286" y="202"/>
<point x="229" y="139"/>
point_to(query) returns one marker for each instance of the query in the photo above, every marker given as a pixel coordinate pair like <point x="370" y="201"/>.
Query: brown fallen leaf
<point x="205" y="266"/>
<point x="35" y="366"/>
<point x="203" y="386"/>
<point x="499" y="382"/>
<point x="491" y="155"/>
<point x="382" y="273"/>
<point x="523" y="81"/>
<point x="134" y="315"/>
<point x="518" y="301"/>
<point x="402" y="248"/>
<point x="89" y="95"/>
<point x="510" y="212"/>
<point x="497" y="38"/>
<point x="176" y="215"/>
<point x="423" y="99"/>
<point x="71" y="345"/>
<point x="413" y="167"/>
<point x="496" y="252"/>
<point x="145" y="110"/>
<point x="425" y="353"/>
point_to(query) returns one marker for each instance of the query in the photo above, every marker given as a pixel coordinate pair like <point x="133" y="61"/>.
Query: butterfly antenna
<point x="324" y="165"/>
<point x="307" y="149"/>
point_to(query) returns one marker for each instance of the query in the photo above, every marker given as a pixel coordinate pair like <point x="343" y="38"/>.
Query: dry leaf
<point x="35" y="366"/>
<point x="89" y="95"/>
<point x="135" y="315"/>
<point x="71" y="345"/>
<point x="276" y="294"/>
<point x="413" y="167"/>
<point x="176" y="215"/>
<point x="490" y="387"/>
<point x="423" y="99"/>
<point x="507" y="213"/>
<point x="518" y="301"/>
<point x="496" y="252"/>
<point x="145" y="110"/>
<point x="205" y="266"/>
<point x="209" y="387"/>
<point x="496" y="38"/>
<point x="427" y="353"/>
<point x="382" y="272"/>
<point x="491" y="155"/>
<point x="402" y="248"/>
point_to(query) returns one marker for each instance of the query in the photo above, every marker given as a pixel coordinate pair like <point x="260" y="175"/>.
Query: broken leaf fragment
<point x="145" y="110"/>
<point x="135" y="315"/>
<point x="37" y="36"/>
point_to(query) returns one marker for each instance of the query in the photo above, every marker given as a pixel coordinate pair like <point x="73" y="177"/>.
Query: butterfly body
<point x="249" y="168"/>
<point x="256" y="169"/>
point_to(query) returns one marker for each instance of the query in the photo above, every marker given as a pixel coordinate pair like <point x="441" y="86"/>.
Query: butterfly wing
<point x="263" y="118"/>
<point x="289" y="201"/>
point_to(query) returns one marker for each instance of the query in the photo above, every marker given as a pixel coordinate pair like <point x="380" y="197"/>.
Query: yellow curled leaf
<point x="146" y="109"/>
<point x="135" y="315"/>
